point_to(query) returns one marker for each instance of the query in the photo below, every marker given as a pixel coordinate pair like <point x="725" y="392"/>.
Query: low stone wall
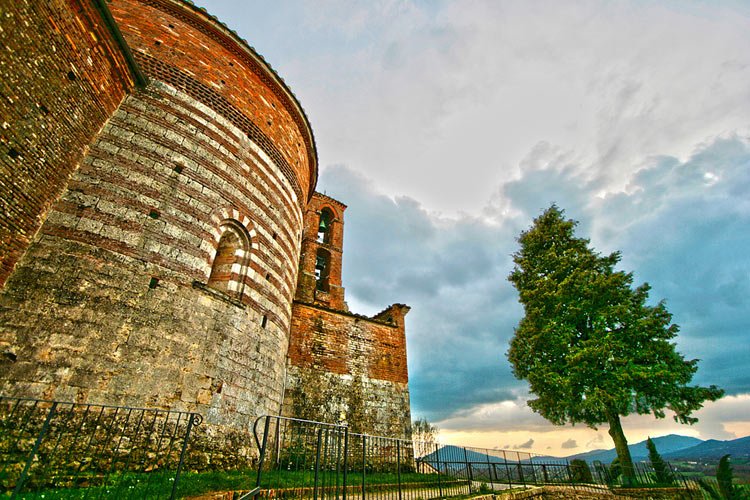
<point x="590" y="493"/>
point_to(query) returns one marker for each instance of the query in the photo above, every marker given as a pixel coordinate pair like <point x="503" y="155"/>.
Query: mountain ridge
<point x="638" y="451"/>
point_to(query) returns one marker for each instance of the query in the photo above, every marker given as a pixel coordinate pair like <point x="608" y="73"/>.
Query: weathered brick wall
<point x="81" y="315"/>
<point x="343" y="367"/>
<point x="180" y="44"/>
<point x="349" y="368"/>
<point x="110" y="303"/>
<point x="333" y="298"/>
<point x="62" y="77"/>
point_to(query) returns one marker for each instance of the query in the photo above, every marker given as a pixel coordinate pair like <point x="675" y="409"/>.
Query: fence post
<point x="398" y="466"/>
<point x="507" y="470"/>
<point x="278" y="442"/>
<point x="364" y="464"/>
<point x="533" y="470"/>
<point x="317" y="463"/>
<point x="193" y="419"/>
<point x="346" y="458"/>
<point x="45" y="427"/>
<point x="468" y="468"/>
<point x="262" y="450"/>
<point x="437" y="458"/>
<point x="489" y="471"/>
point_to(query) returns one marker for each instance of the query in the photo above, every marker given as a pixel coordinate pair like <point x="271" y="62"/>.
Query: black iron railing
<point x="91" y="451"/>
<point x="305" y="459"/>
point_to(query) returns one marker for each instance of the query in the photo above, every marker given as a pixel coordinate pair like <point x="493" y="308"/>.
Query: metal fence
<point x="305" y="459"/>
<point x="56" y="449"/>
<point x="53" y="449"/>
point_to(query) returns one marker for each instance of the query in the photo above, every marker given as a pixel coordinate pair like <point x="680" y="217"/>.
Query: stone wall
<point x="349" y="368"/>
<point x="109" y="305"/>
<point x="180" y="44"/>
<point x="585" y="492"/>
<point x="119" y="298"/>
<point x="62" y="77"/>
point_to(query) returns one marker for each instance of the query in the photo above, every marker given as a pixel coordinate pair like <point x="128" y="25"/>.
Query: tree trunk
<point x="621" y="447"/>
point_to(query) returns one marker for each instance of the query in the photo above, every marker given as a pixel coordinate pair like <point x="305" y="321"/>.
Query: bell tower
<point x="334" y="351"/>
<point x="319" y="281"/>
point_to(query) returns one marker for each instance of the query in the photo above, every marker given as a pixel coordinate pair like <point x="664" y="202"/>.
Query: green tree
<point x="661" y="468"/>
<point x="580" y="471"/>
<point x="724" y="488"/>
<point x="725" y="477"/>
<point x="589" y="346"/>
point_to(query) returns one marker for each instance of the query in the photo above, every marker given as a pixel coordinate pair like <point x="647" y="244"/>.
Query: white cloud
<point x="475" y="116"/>
<point x="452" y="270"/>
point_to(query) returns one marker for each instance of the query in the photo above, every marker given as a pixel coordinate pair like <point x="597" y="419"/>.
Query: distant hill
<point x="638" y="451"/>
<point x="712" y="450"/>
<point x="671" y="447"/>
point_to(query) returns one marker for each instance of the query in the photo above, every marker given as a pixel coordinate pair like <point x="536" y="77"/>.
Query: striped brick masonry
<point x="159" y="240"/>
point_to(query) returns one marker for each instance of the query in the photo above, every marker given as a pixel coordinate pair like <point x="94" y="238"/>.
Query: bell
<point x="323" y="225"/>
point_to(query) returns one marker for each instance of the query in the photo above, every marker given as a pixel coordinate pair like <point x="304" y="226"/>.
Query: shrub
<point x="580" y="472"/>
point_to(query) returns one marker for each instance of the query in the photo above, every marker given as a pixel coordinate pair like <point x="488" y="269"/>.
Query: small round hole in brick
<point x="13" y="153"/>
<point x="264" y="321"/>
<point x="153" y="282"/>
<point x="154" y="214"/>
<point x="71" y="75"/>
<point x="178" y="168"/>
<point x="268" y="276"/>
<point x="157" y="42"/>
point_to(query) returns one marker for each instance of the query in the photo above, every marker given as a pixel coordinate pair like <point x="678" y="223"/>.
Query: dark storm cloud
<point x="685" y="229"/>
<point x="453" y="274"/>
<point x="682" y="226"/>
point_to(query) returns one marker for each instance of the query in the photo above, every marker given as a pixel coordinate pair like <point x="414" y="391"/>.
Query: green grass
<point x="159" y="485"/>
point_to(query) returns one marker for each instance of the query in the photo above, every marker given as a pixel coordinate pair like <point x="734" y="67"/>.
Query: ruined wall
<point x="62" y="77"/>
<point x="114" y="302"/>
<point x="343" y="367"/>
<point x="349" y="368"/>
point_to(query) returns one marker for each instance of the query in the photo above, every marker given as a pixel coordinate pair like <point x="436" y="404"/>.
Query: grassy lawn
<point x="159" y="485"/>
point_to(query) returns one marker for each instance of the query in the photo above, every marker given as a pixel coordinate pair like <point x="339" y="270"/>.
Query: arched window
<point x="230" y="262"/>
<point x="324" y="226"/>
<point x="322" y="269"/>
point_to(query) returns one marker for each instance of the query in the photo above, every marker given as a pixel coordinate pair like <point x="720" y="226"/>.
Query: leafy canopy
<point x="589" y="345"/>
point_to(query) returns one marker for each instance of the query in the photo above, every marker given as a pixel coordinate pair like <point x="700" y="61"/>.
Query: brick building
<point x="342" y="366"/>
<point x="159" y="226"/>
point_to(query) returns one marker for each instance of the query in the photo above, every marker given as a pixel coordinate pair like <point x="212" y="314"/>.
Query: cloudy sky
<point x="448" y="126"/>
